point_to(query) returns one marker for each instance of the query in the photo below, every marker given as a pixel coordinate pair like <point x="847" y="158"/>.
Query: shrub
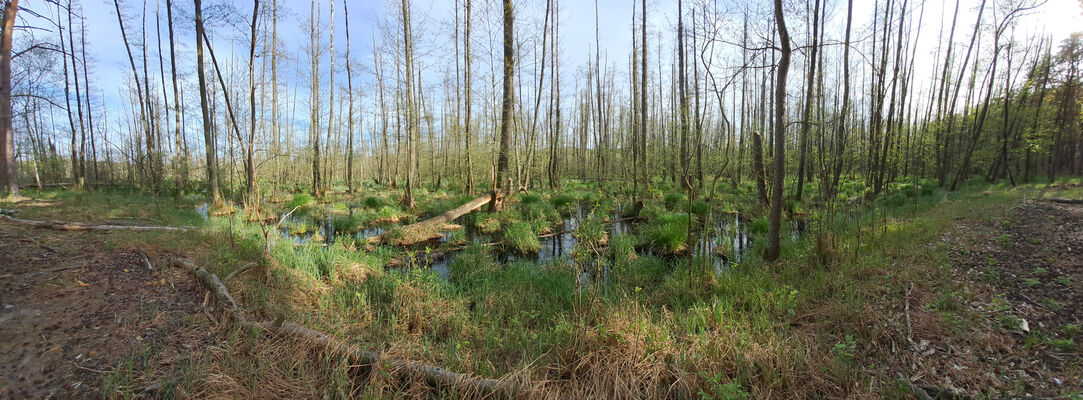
<point x="591" y="230"/>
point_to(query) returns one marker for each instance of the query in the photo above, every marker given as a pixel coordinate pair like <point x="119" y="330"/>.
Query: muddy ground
<point x="74" y="310"/>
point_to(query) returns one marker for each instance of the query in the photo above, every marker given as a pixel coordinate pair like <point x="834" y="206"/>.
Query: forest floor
<point x="977" y="294"/>
<point x="79" y="313"/>
<point x="1004" y="313"/>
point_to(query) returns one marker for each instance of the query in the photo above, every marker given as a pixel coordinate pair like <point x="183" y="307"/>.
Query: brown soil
<point x="72" y="311"/>
<point x="967" y="336"/>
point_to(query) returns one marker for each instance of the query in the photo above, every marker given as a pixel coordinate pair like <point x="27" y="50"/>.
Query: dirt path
<point x="73" y="311"/>
<point x="1008" y="319"/>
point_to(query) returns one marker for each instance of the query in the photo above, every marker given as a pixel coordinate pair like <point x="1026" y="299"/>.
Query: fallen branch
<point x="78" y="226"/>
<point x="430" y="229"/>
<point x="240" y="270"/>
<point x="1065" y="201"/>
<point x="213" y="284"/>
<point x="433" y="375"/>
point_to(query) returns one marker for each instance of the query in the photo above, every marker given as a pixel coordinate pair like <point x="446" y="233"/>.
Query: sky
<point x="110" y="68"/>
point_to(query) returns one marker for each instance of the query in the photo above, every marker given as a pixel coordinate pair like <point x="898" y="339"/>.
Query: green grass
<point x="718" y="336"/>
<point x="667" y="233"/>
<point x="520" y="237"/>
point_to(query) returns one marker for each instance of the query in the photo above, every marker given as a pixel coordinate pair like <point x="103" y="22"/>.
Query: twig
<point x="909" y="331"/>
<point x="98" y="371"/>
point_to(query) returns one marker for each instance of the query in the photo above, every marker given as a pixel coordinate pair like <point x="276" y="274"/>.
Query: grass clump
<point x="668" y="233"/>
<point x="303" y="202"/>
<point x="374" y="202"/>
<point x="520" y="237"/>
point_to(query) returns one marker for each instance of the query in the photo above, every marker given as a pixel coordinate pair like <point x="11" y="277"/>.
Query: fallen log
<point x="435" y="376"/>
<point x="79" y="226"/>
<point x="429" y="229"/>
<point x="211" y="282"/>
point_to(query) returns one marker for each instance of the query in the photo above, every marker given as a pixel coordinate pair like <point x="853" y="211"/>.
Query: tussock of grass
<point x="667" y="233"/>
<point x="520" y="237"/>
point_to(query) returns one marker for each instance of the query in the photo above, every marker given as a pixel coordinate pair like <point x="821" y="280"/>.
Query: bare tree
<point x="7" y="134"/>
<point x="774" y="231"/>
<point x="208" y="122"/>
<point x="506" y="108"/>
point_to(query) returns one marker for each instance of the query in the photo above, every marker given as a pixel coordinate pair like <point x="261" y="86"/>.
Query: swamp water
<point x="727" y="241"/>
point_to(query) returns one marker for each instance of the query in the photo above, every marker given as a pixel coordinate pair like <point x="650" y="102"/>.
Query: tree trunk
<point x="506" y="108"/>
<point x="7" y="134"/>
<point x="774" y="234"/>
<point x="208" y="123"/>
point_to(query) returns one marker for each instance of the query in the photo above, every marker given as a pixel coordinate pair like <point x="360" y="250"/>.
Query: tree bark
<point x="208" y="124"/>
<point x="7" y="134"/>
<point x="774" y="233"/>
<point x="506" y="108"/>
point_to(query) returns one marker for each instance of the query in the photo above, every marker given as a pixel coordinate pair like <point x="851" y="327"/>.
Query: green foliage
<point x="1064" y="345"/>
<point x="374" y="202"/>
<point x="530" y="198"/>
<point x="672" y="200"/>
<point x="1005" y="241"/>
<point x="699" y="207"/>
<point x="759" y="226"/>
<point x="720" y="388"/>
<point x="622" y="249"/>
<point x="520" y="237"/>
<point x="846" y="349"/>
<point x="591" y="230"/>
<point x="668" y="233"/>
<point x="300" y="200"/>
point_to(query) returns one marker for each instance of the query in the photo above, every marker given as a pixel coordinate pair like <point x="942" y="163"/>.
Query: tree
<point x="208" y="123"/>
<point x="506" y="108"/>
<point x="774" y="232"/>
<point x="249" y="157"/>
<point x="7" y="134"/>
<point x="349" y="89"/>
<point x="411" y="114"/>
